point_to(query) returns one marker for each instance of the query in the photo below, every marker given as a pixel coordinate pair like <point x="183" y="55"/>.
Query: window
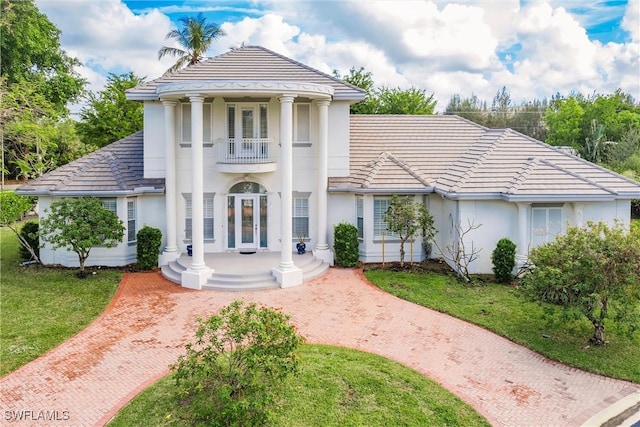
<point x="300" y="217"/>
<point x="207" y="216"/>
<point x="380" y="206"/>
<point x="131" y="219"/>
<point x="546" y="224"/>
<point x="206" y="122"/>
<point x="360" y="216"/>
<point x="110" y="204"/>
<point x="302" y="131"/>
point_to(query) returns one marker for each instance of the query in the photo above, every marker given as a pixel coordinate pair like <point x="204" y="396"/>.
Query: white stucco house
<point x="245" y="151"/>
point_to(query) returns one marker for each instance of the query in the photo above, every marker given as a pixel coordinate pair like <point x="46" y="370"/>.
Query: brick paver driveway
<point x="90" y="377"/>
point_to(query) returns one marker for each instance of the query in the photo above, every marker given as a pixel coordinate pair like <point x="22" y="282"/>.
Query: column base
<point x="287" y="277"/>
<point x="166" y="257"/>
<point x="195" y="279"/>
<point x="326" y="255"/>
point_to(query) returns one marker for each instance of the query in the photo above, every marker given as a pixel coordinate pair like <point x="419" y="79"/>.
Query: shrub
<point x="504" y="260"/>
<point x="345" y="237"/>
<point x="149" y="240"/>
<point x="234" y="371"/>
<point x="29" y="233"/>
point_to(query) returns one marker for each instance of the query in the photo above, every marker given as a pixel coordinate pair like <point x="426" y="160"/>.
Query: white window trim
<point x="133" y="219"/>
<point x="187" y="202"/>
<point x="533" y="238"/>
<point x="296" y="139"/>
<point x="388" y="236"/>
<point x="360" y="216"/>
<point x="205" y="106"/>
<point x="296" y="197"/>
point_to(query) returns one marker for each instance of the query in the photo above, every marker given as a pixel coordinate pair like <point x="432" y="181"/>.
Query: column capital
<point x="322" y="102"/>
<point x="195" y="97"/>
<point x="168" y="102"/>
<point x="287" y="98"/>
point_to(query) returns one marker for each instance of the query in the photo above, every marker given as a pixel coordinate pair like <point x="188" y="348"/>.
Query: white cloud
<point x="631" y="20"/>
<point x="441" y="46"/>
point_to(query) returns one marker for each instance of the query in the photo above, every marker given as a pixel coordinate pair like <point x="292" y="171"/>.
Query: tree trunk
<point x="598" y="334"/>
<point x="401" y="254"/>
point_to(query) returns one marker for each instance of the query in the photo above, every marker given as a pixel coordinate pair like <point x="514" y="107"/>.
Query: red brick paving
<point x="86" y="380"/>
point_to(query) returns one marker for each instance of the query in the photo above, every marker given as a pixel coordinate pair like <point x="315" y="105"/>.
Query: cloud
<point x="108" y="38"/>
<point x="536" y="48"/>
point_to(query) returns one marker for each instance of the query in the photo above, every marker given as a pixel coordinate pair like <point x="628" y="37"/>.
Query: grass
<point x="500" y="309"/>
<point x="336" y="387"/>
<point x="42" y="307"/>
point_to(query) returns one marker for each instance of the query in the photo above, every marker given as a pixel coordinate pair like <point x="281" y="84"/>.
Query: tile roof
<point x="116" y="169"/>
<point x="459" y="158"/>
<point x="251" y="63"/>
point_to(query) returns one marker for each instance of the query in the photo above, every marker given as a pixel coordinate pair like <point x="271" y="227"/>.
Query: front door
<point x="247" y="215"/>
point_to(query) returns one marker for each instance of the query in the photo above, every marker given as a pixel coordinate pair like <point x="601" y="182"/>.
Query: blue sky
<point x="536" y="48"/>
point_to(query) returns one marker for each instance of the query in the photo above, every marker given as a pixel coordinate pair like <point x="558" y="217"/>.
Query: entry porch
<point x="235" y="271"/>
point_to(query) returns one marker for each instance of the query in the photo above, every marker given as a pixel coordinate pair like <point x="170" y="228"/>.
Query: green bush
<point x="149" y="240"/>
<point x="345" y="237"/>
<point x="233" y="374"/>
<point x="504" y="259"/>
<point x="29" y="233"/>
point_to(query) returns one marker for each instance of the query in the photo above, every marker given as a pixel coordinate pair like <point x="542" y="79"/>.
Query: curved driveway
<point x="86" y="380"/>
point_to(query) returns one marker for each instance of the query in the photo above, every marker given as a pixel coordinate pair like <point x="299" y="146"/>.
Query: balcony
<point x="246" y="155"/>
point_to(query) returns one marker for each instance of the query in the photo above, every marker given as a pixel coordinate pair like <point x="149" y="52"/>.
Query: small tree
<point x="30" y="233"/>
<point x="148" y="240"/>
<point x="79" y="224"/>
<point x="233" y="372"/>
<point x="504" y="260"/>
<point x="407" y="218"/>
<point x="591" y="271"/>
<point x="345" y="237"/>
<point x="459" y="253"/>
<point x="13" y="208"/>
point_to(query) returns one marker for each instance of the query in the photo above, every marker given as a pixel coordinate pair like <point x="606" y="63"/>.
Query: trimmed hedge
<point x="504" y="259"/>
<point x="345" y="237"/>
<point x="149" y="241"/>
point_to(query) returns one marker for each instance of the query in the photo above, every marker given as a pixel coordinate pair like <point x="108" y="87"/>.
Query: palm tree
<point x="195" y="38"/>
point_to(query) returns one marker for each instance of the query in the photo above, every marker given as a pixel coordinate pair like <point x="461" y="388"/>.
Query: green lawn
<point x="336" y="387"/>
<point x="500" y="309"/>
<point x="42" y="307"/>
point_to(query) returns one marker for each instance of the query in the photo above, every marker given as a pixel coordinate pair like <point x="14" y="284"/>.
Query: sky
<point x="534" y="48"/>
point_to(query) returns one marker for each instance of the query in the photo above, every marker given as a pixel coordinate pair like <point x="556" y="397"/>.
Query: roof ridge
<point x="375" y="168"/>
<point x="575" y="175"/>
<point x="409" y="169"/>
<point x="293" y="61"/>
<point x="491" y="138"/>
<point x="522" y="174"/>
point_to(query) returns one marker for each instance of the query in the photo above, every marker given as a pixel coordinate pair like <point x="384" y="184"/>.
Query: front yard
<point x="42" y="307"/>
<point x="498" y="308"/>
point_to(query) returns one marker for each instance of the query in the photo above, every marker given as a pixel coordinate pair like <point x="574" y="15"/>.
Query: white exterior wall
<point x="339" y="138"/>
<point x="119" y="255"/>
<point x="154" y="140"/>
<point x="342" y="208"/>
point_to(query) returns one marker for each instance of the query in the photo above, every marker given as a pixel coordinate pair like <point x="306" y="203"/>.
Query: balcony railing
<point x="245" y="151"/>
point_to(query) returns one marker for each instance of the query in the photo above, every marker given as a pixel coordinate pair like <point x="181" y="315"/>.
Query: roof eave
<point x="94" y="193"/>
<point x="360" y="190"/>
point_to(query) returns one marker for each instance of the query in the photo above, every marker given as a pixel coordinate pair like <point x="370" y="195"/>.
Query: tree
<point x="399" y="101"/>
<point x="363" y="80"/>
<point x="591" y="271"/>
<point x="233" y="372"/>
<point x="109" y="116"/>
<point x="460" y="252"/>
<point x="470" y="108"/>
<point x="31" y="53"/>
<point x="194" y="39"/>
<point x="387" y="100"/>
<point x="78" y="224"/>
<point x="13" y="208"/>
<point x="407" y="218"/>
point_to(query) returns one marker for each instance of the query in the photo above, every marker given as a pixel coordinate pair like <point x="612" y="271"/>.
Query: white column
<point x="322" y="250"/>
<point x="522" y="255"/>
<point x="170" y="252"/>
<point x="197" y="273"/>
<point x="286" y="273"/>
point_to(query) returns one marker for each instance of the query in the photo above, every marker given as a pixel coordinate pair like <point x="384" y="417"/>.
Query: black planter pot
<point x="302" y="248"/>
